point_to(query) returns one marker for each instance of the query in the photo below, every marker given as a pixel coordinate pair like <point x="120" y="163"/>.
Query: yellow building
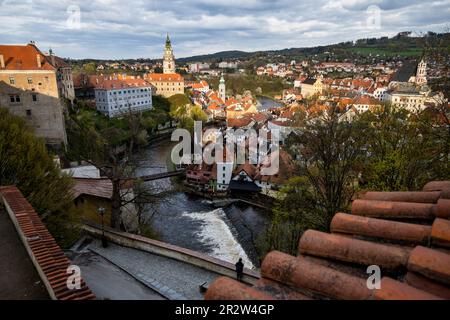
<point x="311" y="87"/>
<point x="29" y="88"/>
<point x="166" y="84"/>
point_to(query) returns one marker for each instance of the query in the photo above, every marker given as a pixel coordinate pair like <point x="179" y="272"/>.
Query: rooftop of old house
<point x="132" y="267"/>
<point x="405" y="234"/>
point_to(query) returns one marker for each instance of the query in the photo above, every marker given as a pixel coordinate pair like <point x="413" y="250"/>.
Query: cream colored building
<point x="311" y="87"/>
<point x="167" y="83"/>
<point x="29" y="89"/>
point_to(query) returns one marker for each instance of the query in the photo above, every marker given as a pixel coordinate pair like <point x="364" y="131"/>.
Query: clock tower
<point x="169" y="58"/>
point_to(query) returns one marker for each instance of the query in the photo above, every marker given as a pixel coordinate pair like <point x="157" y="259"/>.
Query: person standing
<point x="239" y="269"/>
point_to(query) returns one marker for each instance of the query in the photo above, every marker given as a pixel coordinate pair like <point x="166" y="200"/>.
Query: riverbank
<point x="187" y="220"/>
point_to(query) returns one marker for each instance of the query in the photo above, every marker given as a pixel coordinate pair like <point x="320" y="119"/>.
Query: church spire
<point x="169" y="58"/>
<point x="168" y="44"/>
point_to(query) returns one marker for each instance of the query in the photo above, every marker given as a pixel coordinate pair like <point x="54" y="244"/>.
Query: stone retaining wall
<point x="174" y="252"/>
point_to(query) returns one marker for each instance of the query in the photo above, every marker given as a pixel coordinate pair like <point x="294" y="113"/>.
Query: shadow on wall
<point x="43" y="113"/>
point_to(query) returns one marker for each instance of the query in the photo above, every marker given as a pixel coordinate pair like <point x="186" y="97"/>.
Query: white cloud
<point x="137" y="28"/>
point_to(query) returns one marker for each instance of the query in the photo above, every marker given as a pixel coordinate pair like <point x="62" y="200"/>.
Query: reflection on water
<point x="267" y="103"/>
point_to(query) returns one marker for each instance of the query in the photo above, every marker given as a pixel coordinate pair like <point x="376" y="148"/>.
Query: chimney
<point x="2" y="62"/>
<point x="38" y="58"/>
<point x="52" y="58"/>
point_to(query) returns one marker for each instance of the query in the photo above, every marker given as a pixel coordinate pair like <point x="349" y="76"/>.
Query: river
<point x="267" y="103"/>
<point x="192" y="222"/>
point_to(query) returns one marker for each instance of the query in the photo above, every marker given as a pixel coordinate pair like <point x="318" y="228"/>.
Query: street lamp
<point x="101" y="211"/>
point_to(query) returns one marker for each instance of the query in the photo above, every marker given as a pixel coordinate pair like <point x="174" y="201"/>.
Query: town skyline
<point x="106" y="30"/>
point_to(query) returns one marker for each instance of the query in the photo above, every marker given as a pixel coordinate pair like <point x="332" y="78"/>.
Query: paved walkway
<point x="109" y="282"/>
<point x="173" y="279"/>
<point x="19" y="279"/>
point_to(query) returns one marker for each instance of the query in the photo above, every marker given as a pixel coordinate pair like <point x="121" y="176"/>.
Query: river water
<point x="192" y="222"/>
<point x="267" y="103"/>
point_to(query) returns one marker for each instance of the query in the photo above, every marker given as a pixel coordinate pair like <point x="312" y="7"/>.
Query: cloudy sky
<point x="136" y="28"/>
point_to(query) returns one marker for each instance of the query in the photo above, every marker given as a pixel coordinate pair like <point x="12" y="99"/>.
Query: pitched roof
<point x="121" y="84"/>
<point x="19" y="57"/>
<point x="407" y="234"/>
<point x="366" y="100"/>
<point x="310" y="81"/>
<point x="164" y="77"/>
<point x="45" y="253"/>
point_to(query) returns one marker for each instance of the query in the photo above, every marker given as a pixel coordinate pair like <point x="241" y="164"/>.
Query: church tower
<point x="222" y="89"/>
<point x="421" y="76"/>
<point x="169" y="58"/>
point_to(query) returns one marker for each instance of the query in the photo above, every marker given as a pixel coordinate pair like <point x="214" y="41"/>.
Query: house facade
<point x="29" y="89"/>
<point x="116" y="97"/>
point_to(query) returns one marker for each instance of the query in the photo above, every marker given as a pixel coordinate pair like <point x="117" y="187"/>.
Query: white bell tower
<point x="421" y="76"/>
<point x="169" y="58"/>
<point x="222" y="89"/>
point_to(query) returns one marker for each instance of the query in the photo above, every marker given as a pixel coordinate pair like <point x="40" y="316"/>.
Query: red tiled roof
<point x="366" y="100"/>
<point x="18" y="57"/>
<point x="101" y="187"/>
<point x="174" y="77"/>
<point x="121" y="84"/>
<point x="407" y="234"/>
<point x="45" y="253"/>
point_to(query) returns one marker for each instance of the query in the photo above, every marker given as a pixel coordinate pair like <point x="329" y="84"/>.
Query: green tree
<point x="330" y="154"/>
<point x="405" y="149"/>
<point x="296" y="211"/>
<point x="25" y="162"/>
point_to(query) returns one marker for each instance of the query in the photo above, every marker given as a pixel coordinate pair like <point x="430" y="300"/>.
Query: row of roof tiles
<point x="45" y="253"/>
<point x="406" y="234"/>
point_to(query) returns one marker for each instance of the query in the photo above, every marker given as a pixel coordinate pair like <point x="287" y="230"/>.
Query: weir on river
<point x="192" y="222"/>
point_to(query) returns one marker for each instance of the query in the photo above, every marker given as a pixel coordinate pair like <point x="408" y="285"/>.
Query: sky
<point x="119" y="29"/>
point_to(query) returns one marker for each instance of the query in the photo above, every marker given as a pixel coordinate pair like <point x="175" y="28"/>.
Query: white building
<point x="421" y="75"/>
<point x="224" y="174"/>
<point x="222" y="89"/>
<point x="381" y="93"/>
<point x="169" y="58"/>
<point x="410" y="100"/>
<point x="228" y="65"/>
<point x="116" y="97"/>
<point x="197" y="67"/>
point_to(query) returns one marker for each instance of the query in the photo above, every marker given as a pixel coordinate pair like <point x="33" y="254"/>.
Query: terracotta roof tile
<point x="392" y="209"/>
<point x="43" y="249"/>
<point x="395" y="290"/>
<point x="412" y="251"/>
<point x="226" y="289"/>
<point x="379" y="228"/>
<point x="416" y="196"/>
<point x="431" y="263"/>
<point x="301" y="273"/>
<point x="18" y="57"/>
<point x="425" y="284"/>
<point x="440" y="232"/>
<point x="357" y="251"/>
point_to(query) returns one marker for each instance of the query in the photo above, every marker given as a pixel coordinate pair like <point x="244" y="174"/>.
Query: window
<point x="30" y="80"/>
<point x="28" y="113"/>
<point x="34" y="97"/>
<point x="12" y="80"/>
<point x="14" y="98"/>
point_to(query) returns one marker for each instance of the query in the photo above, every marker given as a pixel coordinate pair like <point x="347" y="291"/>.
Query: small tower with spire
<point x="222" y="89"/>
<point x="421" y="76"/>
<point x="169" y="58"/>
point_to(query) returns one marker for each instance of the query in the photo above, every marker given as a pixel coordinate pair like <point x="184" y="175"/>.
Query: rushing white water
<point x="216" y="231"/>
